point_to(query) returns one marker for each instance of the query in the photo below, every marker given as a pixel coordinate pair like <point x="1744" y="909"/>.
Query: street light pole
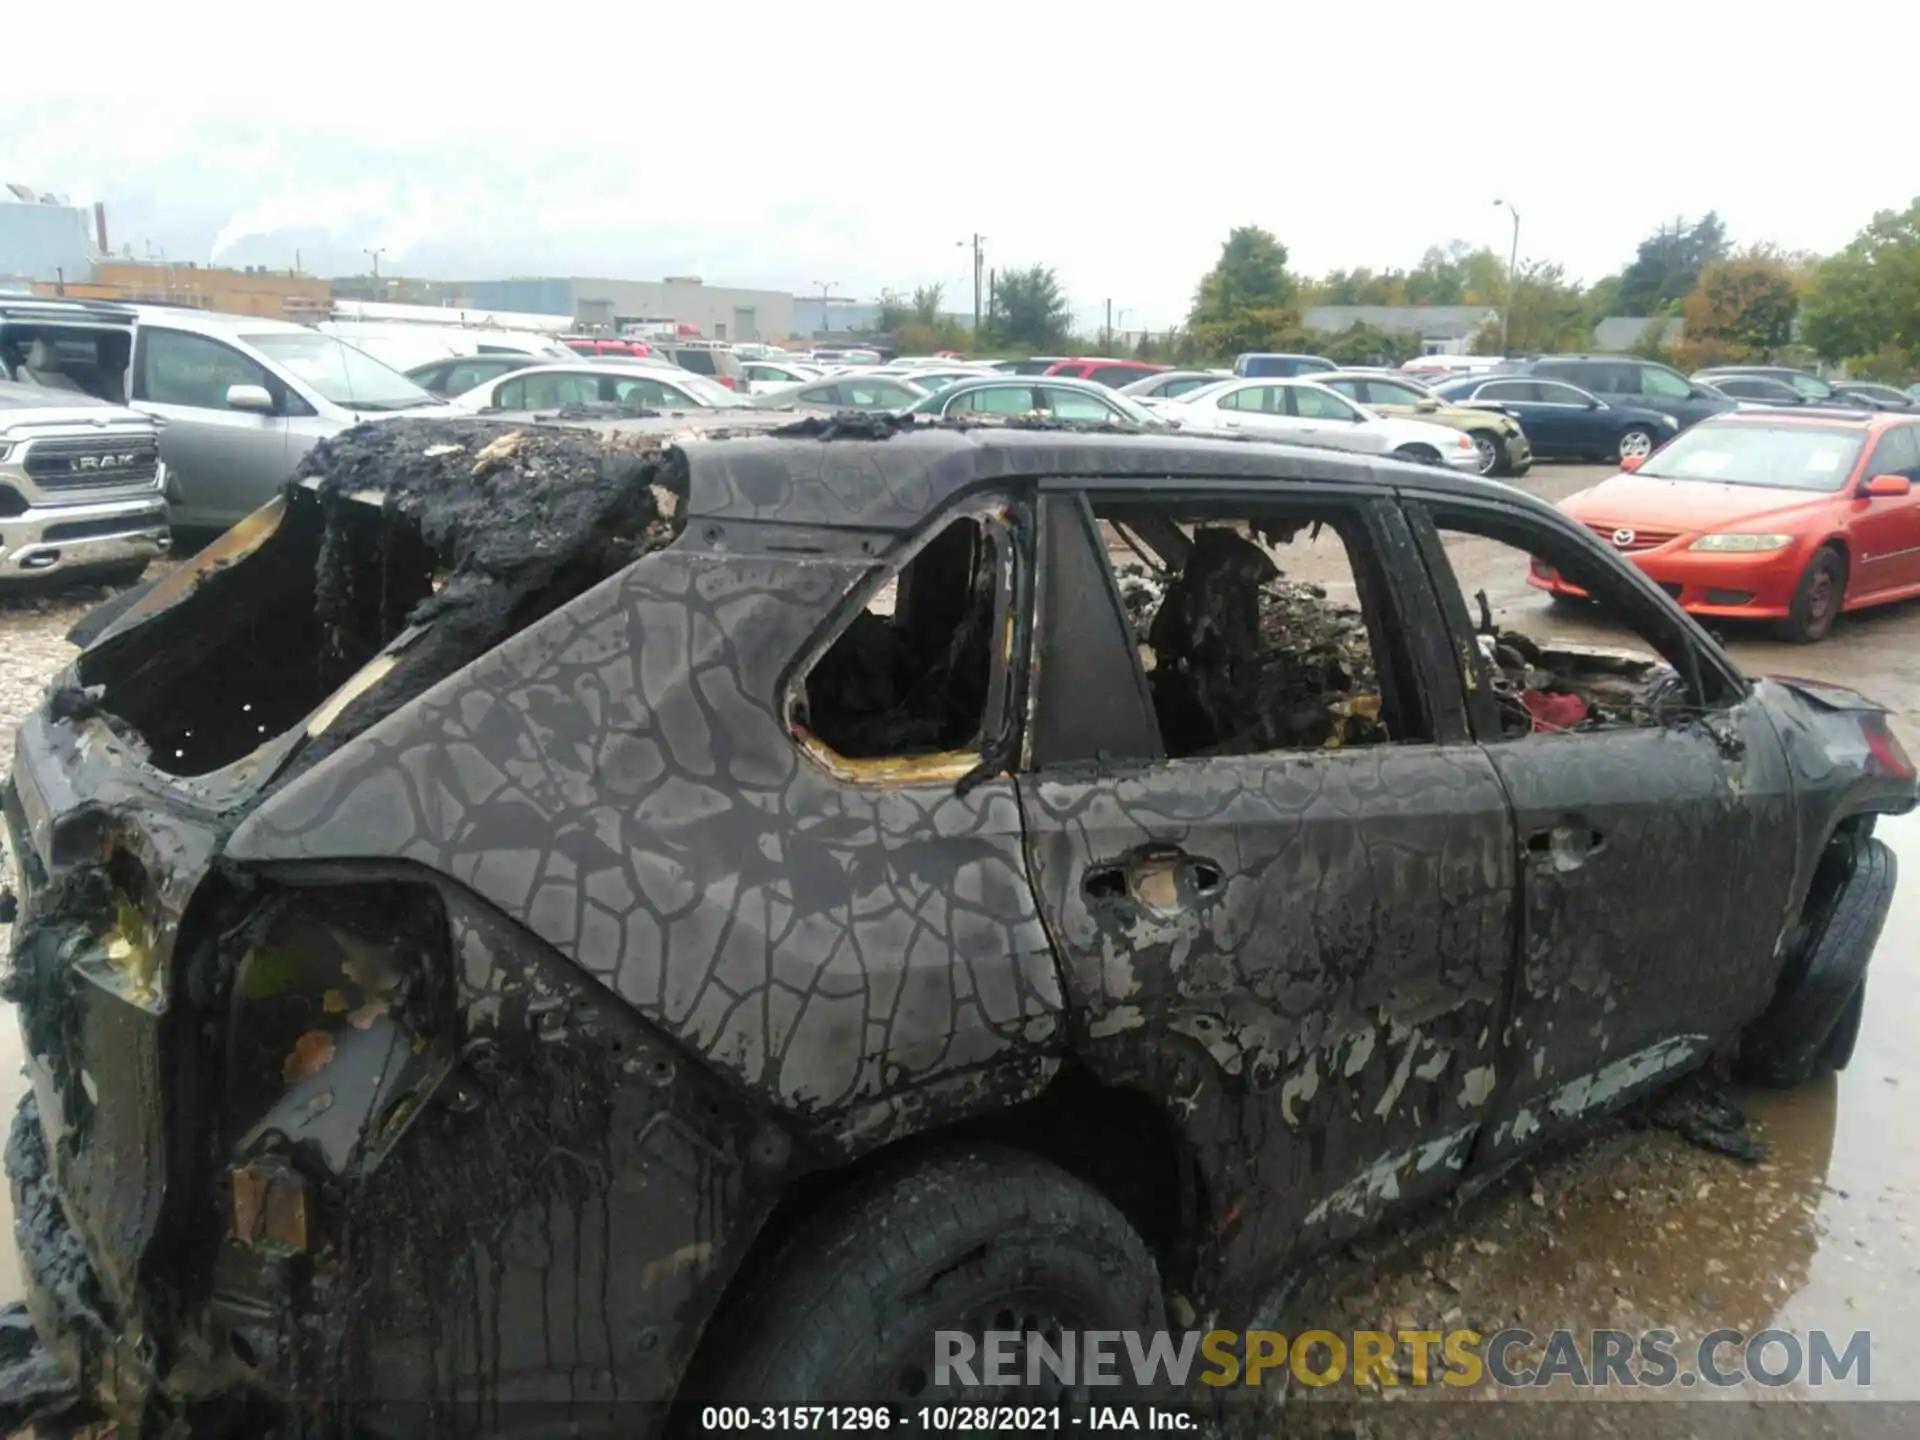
<point x="375" y="255"/>
<point x="976" y="278"/>
<point x="826" y="288"/>
<point x="1513" y="259"/>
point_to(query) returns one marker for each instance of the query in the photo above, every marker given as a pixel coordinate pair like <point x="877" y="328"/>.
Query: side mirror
<point x="1427" y="405"/>
<point x="1632" y="463"/>
<point x="1887" y="486"/>
<point x="1594" y="405"/>
<point x="253" y="398"/>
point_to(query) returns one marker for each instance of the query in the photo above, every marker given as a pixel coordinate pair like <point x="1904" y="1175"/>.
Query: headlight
<point x="1670" y="422"/>
<point x="1743" y="544"/>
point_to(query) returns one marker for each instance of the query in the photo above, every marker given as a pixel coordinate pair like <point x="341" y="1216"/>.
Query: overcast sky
<point x="783" y="145"/>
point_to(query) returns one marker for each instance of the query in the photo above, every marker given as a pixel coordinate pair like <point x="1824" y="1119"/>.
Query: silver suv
<point x="243" y="399"/>
<point x="81" y="488"/>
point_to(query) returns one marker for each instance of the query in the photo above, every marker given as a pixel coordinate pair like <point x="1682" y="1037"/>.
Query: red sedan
<point x="1114" y="373"/>
<point x="1765" y="515"/>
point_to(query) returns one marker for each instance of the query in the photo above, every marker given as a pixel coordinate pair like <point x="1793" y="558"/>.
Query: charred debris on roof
<point x="430" y="540"/>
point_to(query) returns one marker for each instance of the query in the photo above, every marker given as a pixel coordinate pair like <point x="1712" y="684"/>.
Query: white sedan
<point x="1314" y="415"/>
<point x="553" y="387"/>
<point x="760" y="376"/>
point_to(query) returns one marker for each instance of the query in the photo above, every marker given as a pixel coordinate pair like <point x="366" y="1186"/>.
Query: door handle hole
<point x="1206" y="876"/>
<point x="1109" y="882"/>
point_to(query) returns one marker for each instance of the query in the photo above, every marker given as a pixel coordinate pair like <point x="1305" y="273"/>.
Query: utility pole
<point x="976" y="278"/>
<point x="375" y="255"/>
<point x="825" y="287"/>
<point x="1513" y="259"/>
<point x="1106" y="340"/>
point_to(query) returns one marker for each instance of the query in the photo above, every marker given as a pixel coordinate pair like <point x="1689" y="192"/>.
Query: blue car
<point x="1267" y="365"/>
<point x="1564" y="422"/>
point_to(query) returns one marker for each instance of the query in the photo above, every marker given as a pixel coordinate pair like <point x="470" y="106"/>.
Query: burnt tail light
<point x="1889" y="755"/>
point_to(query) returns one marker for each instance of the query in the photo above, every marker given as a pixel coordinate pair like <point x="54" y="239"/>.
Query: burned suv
<point x="552" y="921"/>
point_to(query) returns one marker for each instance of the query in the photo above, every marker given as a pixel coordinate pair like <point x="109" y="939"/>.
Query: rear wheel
<point x="970" y="1241"/>
<point x="1818" y="598"/>
<point x="1636" y="443"/>
<point x="1418" y="454"/>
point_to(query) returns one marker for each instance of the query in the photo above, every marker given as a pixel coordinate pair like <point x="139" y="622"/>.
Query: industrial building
<point x="719" y="312"/>
<point x="44" y="238"/>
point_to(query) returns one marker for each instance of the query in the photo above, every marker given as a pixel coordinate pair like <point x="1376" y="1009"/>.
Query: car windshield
<point x="1201" y="394"/>
<point x="707" y="392"/>
<point x="1134" y="410"/>
<point x="1786" y="457"/>
<point x="341" y="372"/>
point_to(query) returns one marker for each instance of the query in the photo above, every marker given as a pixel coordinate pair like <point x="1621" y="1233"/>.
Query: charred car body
<point x="574" y="918"/>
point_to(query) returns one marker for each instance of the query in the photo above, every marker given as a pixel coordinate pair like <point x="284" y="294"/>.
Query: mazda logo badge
<point x="1623" y="538"/>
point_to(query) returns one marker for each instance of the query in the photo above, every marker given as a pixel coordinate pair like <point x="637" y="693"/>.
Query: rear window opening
<point x="911" y="673"/>
<point x="258" y="633"/>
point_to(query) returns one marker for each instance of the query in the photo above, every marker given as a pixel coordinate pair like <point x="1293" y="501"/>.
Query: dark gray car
<point x="544" y="923"/>
<point x="1626" y="380"/>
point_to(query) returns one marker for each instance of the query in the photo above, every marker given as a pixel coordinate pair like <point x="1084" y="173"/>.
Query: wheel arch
<point x="1118" y="1140"/>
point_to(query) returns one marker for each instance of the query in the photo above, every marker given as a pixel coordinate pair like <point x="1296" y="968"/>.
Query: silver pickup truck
<point x="241" y="399"/>
<point x="82" y="488"/>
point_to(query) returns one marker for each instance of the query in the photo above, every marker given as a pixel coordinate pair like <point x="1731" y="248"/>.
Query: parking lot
<point x="1637" y="1227"/>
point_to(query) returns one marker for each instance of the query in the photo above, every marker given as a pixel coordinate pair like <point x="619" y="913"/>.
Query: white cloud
<point x="761" y="143"/>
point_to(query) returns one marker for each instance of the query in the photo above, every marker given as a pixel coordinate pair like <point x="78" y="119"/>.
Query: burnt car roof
<point x="879" y="472"/>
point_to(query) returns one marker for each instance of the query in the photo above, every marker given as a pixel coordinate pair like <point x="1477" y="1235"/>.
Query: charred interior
<point x="451" y="534"/>
<point x="910" y="674"/>
<point x="1240" y="658"/>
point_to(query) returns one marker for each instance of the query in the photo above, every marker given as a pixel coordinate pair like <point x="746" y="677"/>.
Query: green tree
<point x="1251" y="274"/>
<point x="1743" y="308"/>
<point x="1363" y="344"/>
<point x="926" y="303"/>
<point x="1457" y="274"/>
<point x="893" y="311"/>
<point x="1029" y="308"/>
<point x="1668" y="265"/>
<point x="1864" y="303"/>
<point x="1247" y="301"/>
<point x="1549" y="314"/>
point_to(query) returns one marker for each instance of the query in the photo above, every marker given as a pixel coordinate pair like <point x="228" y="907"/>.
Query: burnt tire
<point x="1817" y="599"/>
<point x="969" y="1240"/>
<point x="1814" y="1018"/>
